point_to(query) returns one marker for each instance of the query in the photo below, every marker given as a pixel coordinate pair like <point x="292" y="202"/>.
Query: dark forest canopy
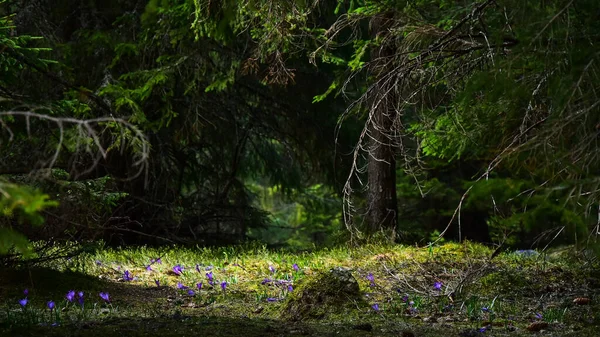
<point x="294" y="122"/>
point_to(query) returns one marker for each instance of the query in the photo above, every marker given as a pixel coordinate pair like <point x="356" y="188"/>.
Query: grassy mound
<point x="335" y="292"/>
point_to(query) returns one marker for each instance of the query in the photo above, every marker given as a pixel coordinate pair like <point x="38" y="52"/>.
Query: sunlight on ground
<point x="454" y="287"/>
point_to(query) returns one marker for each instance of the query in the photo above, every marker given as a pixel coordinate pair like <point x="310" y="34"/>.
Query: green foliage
<point x="298" y="219"/>
<point x="14" y="46"/>
<point x="25" y="205"/>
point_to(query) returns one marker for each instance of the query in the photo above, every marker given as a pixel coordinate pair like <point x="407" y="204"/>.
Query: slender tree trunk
<point x="382" y="200"/>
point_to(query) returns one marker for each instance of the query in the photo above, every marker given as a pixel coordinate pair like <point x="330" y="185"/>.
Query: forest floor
<point x="447" y="290"/>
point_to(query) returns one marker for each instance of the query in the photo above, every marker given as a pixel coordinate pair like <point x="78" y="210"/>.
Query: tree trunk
<point x="381" y="169"/>
<point x="382" y="200"/>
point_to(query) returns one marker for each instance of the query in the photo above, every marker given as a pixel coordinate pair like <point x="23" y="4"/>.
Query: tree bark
<point x="381" y="169"/>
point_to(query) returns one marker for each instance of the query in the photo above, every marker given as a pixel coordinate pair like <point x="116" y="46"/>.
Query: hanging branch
<point x="87" y="128"/>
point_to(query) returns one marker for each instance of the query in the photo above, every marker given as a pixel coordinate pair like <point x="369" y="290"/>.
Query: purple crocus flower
<point x="265" y="281"/>
<point x="224" y="285"/>
<point x="485" y="309"/>
<point x="181" y="286"/>
<point x="51" y="305"/>
<point x="371" y="279"/>
<point x="26" y="292"/>
<point x="295" y="267"/>
<point x="437" y="286"/>
<point x="157" y="283"/>
<point x="290" y="288"/>
<point x="23" y="302"/>
<point x="538" y="315"/>
<point x="272" y="269"/>
<point x="98" y="263"/>
<point x="127" y="276"/>
<point x="208" y="268"/>
<point x="482" y="330"/>
<point x="198" y="268"/>
<point x="105" y="297"/>
<point x="149" y="268"/>
<point x="272" y="299"/>
<point x="405" y="298"/>
<point x="80" y="297"/>
<point x="191" y="292"/>
<point x="70" y="295"/>
<point x="375" y="307"/>
<point x="157" y="261"/>
<point x="178" y="270"/>
<point x="209" y="276"/>
<point x="199" y="285"/>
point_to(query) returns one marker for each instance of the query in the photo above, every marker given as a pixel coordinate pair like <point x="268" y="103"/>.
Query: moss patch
<point x="333" y="292"/>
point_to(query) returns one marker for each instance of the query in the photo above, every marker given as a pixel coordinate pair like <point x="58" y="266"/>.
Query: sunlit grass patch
<point x="423" y="288"/>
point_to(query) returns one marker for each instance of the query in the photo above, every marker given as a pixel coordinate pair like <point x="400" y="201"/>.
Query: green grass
<point x="505" y="294"/>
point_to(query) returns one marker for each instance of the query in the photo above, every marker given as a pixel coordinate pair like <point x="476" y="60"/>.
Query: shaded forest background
<point x="299" y="123"/>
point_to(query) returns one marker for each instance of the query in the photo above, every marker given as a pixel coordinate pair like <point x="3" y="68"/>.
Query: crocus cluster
<point x="70" y="297"/>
